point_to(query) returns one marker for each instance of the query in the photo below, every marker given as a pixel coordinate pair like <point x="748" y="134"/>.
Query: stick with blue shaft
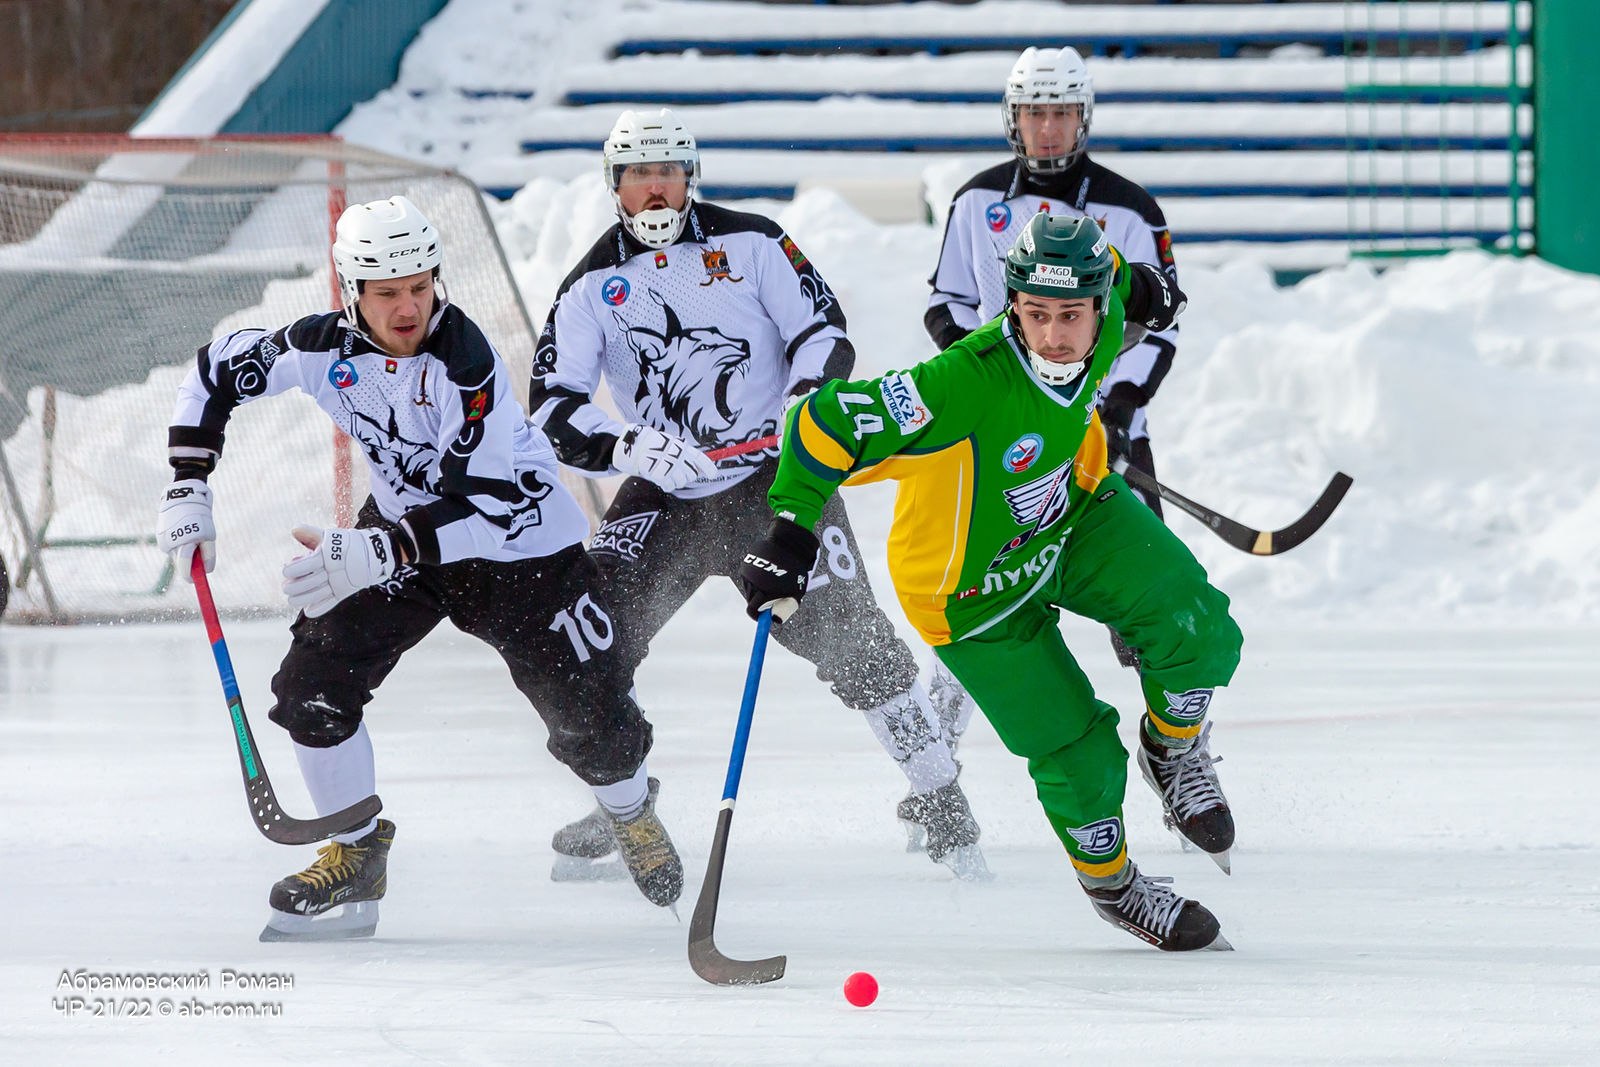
<point x="707" y="962"/>
<point x="269" y="818"/>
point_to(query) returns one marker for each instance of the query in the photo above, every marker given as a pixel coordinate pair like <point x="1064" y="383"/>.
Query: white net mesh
<point x="119" y="257"/>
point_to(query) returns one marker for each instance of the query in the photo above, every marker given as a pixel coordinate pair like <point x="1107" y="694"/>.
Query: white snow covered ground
<point x="1415" y="880"/>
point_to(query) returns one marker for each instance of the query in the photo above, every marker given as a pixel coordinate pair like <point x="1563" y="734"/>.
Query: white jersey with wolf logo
<point x="448" y="447"/>
<point x="703" y="339"/>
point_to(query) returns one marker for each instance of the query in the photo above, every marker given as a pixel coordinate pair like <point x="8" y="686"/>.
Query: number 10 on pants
<point x="586" y="627"/>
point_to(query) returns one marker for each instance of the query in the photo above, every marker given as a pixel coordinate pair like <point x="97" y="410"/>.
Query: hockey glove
<point x="1117" y="409"/>
<point x="773" y="574"/>
<point x="670" y="462"/>
<point x="1155" y="301"/>
<point x="341" y="562"/>
<point x="185" y="523"/>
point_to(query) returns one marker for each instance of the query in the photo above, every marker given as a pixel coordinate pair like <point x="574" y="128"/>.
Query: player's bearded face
<point x="651" y="186"/>
<point x="1049" y="130"/>
<point x="397" y="310"/>
<point x="1061" y="331"/>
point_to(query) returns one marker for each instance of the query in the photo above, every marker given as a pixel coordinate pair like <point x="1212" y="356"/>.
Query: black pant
<point x="547" y="617"/>
<point x="1139" y="455"/>
<point x="655" y="551"/>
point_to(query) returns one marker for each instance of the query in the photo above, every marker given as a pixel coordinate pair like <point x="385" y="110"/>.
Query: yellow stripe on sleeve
<point x="821" y="447"/>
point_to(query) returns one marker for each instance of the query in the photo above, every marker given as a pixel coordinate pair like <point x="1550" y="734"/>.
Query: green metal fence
<point x="1461" y="111"/>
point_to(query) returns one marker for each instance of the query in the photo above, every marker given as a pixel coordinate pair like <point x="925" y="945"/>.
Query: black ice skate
<point x="648" y="853"/>
<point x="941" y="822"/>
<point x="350" y="877"/>
<point x="586" y="849"/>
<point x="1148" y="910"/>
<point x="1191" y="797"/>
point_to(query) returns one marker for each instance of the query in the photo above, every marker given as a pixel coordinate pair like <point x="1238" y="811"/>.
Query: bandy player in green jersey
<point x="1007" y="513"/>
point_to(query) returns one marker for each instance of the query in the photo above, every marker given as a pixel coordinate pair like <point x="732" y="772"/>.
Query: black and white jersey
<point x="990" y="212"/>
<point x="452" y="457"/>
<point x="704" y="339"/>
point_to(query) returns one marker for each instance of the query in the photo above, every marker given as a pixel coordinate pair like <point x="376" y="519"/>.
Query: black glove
<point x="773" y="574"/>
<point x="1116" y="415"/>
<point x="1154" y="300"/>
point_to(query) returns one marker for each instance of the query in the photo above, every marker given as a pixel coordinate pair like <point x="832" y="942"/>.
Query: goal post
<point x="119" y="257"/>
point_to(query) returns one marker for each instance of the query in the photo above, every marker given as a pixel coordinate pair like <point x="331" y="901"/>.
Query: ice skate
<point x="1192" y="802"/>
<point x="648" y="853"/>
<point x="586" y="849"/>
<point x="941" y="823"/>
<point x="337" y="896"/>
<point x="1153" y="913"/>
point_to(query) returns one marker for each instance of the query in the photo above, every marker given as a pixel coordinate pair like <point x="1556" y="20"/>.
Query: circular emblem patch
<point x="1024" y="453"/>
<point x="342" y="374"/>
<point x="998" y="217"/>
<point x="615" y="290"/>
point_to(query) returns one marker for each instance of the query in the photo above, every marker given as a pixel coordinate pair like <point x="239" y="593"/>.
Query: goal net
<point x="119" y="257"/>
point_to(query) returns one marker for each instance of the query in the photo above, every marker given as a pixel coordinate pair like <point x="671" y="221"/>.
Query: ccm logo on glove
<point x="765" y="564"/>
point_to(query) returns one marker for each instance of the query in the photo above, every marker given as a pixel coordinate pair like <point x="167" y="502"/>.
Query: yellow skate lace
<point x="334" y="861"/>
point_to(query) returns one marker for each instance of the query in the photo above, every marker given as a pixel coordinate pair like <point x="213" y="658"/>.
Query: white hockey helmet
<point x="383" y="239"/>
<point x="651" y="137"/>
<point x="1048" y="76"/>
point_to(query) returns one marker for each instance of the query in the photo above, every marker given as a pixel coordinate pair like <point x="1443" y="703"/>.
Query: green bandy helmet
<point x="1063" y="257"/>
<point x="1068" y="259"/>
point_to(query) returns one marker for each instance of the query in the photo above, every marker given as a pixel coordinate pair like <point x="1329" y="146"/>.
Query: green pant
<point x="1121" y="566"/>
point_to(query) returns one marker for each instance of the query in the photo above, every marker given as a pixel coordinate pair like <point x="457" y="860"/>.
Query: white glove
<point x="184" y="522"/>
<point x="341" y="562"/>
<point x="670" y="462"/>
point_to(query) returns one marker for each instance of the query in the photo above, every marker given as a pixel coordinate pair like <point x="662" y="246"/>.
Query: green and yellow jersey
<point x="993" y="465"/>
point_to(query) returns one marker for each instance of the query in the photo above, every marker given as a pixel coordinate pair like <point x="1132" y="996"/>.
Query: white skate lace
<point x="1193" y="787"/>
<point x="1149" y="903"/>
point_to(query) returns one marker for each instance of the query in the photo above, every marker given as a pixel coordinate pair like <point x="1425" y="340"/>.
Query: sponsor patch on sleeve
<point x="1164" y="247"/>
<point x="904" y="404"/>
<point x="797" y="258"/>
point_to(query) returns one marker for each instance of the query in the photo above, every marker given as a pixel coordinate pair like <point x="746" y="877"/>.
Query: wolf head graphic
<point x="398" y="461"/>
<point x="693" y="379"/>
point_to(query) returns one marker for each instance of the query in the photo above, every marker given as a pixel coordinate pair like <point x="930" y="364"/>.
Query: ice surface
<point x="1415" y="879"/>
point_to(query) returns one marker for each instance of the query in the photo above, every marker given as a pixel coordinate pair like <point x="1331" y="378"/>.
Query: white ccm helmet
<point x="651" y="137"/>
<point x="1048" y="76"/>
<point x="384" y="239"/>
